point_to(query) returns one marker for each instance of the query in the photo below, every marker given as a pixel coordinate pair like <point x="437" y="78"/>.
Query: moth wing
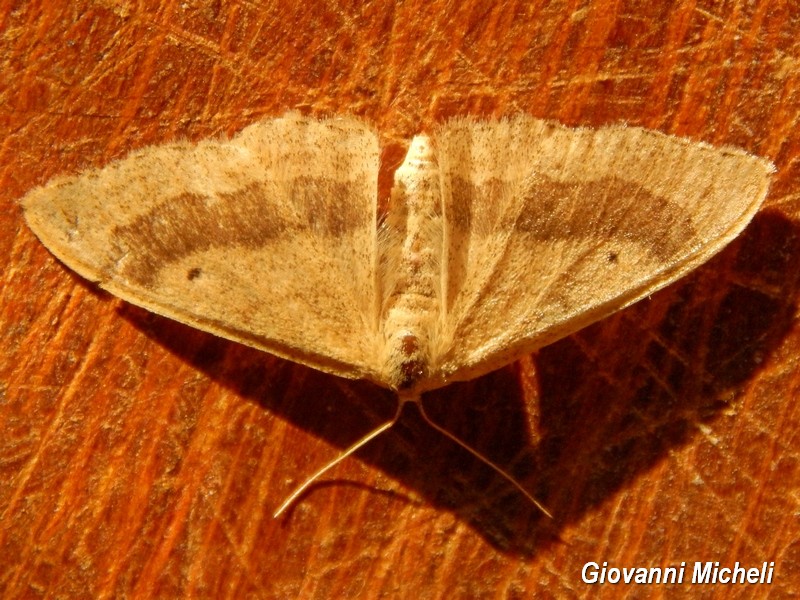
<point x="550" y="228"/>
<point x="267" y="239"/>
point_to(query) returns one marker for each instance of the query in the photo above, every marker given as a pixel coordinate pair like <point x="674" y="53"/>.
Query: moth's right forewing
<point x="550" y="228"/>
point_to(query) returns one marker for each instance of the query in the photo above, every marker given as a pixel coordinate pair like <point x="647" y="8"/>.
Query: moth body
<point x="411" y="288"/>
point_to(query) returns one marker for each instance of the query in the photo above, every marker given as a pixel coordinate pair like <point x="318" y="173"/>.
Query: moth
<point x="499" y="238"/>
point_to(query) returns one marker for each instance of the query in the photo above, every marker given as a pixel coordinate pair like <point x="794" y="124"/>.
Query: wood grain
<point x="142" y="458"/>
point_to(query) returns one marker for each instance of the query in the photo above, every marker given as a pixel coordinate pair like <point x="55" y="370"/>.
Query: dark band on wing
<point x="601" y="209"/>
<point x="249" y="217"/>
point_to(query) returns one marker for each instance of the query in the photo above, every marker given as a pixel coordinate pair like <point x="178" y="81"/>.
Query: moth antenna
<point x="483" y="459"/>
<point x="388" y="424"/>
<point x="363" y="441"/>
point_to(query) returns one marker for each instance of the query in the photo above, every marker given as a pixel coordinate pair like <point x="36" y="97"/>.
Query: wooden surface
<point x="141" y="458"/>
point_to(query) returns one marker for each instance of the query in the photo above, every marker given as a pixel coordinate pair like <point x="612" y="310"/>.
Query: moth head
<point x="406" y="361"/>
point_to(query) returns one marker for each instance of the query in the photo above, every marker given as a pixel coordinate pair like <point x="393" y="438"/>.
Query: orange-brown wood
<point x="141" y="458"/>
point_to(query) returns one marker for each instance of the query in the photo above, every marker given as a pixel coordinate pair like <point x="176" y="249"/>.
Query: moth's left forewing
<point x="549" y="228"/>
<point x="268" y="239"/>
